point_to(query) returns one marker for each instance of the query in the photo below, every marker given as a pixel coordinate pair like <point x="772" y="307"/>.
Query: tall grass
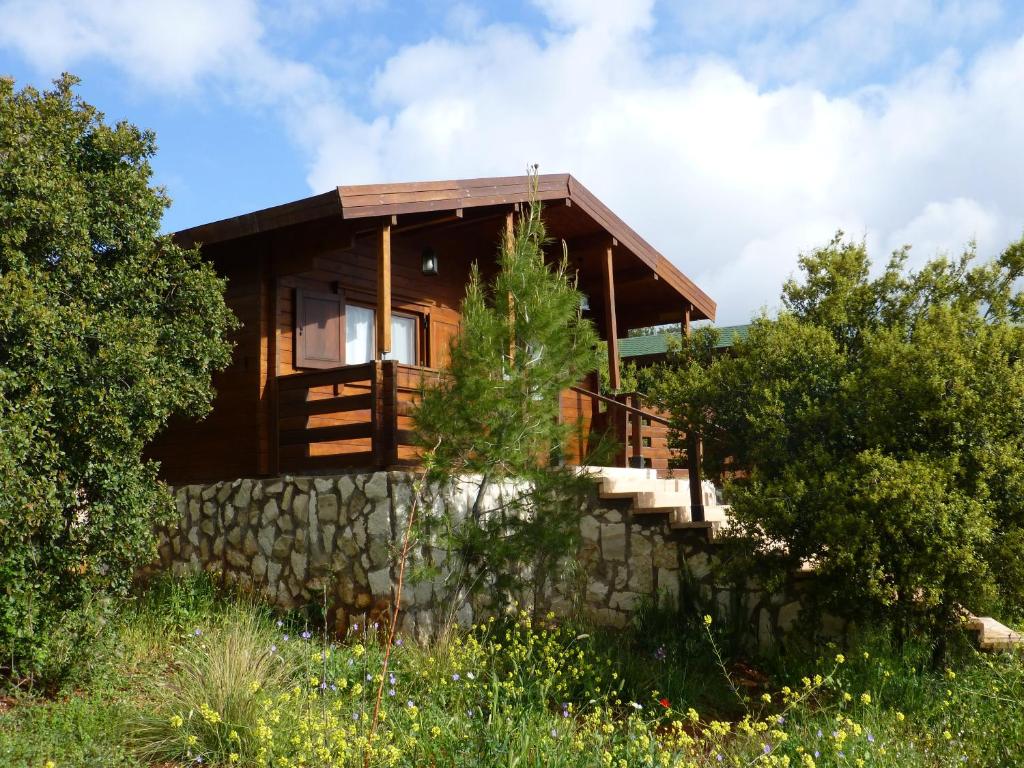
<point x="207" y="703"/>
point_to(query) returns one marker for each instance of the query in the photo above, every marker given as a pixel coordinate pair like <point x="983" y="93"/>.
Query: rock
<point x="303" y="484"/>
<point x="286" y="500"/>
<point x="228" y="514"/>
<point x="596" y="592"/>
<point x="193" y="536"/>
<point x="244" y="496"/>
<point x="328" y="539"/>
<point x="345" y="486"/>
<point x="235" y="536"/>
<point x="282" y="546"/>
<point x="207" y="527"/>
<point x="378" y="553"/>
<point x="322" y="484"/>
<point x="613" y="542"/>
<point x="273" y="573"/>
<point x="640" y="549"/>
<point x="223" y="492"/>
<point x="788" y="615"/>
<point x="623" y="601"/>
<point x="259" y="567"/>
<point x="363" y="600"/>
<point x="298" y="560"/>
<point x="300" y="507"/>
<point x="237" y="559"/>
<point x="270" y="512"/>
<point x="209" y="509"/>
<point x="285" y="522"/>
<point x="266" y="539"/>
<point x="327" y="507"/>
<point x="376" y="488"/>
<point x="590" y="529"/>
<point x="275" y="487"/>
<point x="699" y="566"/>
<point x="379" y="521"/>
<point x="250" y="547"/>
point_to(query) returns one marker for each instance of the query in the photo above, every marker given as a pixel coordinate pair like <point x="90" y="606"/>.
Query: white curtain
<point x="403" y="339"/>
<point x="359" y="333"/>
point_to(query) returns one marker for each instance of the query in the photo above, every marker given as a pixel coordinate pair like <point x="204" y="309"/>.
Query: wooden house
<point x="347" y="299"/>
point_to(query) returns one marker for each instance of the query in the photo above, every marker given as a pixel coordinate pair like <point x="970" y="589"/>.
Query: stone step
<point x="659" y="501"/>
<point x="621" y="473"/>
<point x="991" y="635"/>
<point x="624" y="488"/>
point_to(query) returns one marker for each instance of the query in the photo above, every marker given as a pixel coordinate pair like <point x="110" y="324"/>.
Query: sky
<point x="733" y="134"/>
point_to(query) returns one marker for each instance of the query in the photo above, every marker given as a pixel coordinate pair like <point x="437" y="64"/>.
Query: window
<point x="361" y="336"/>
<point x="403" y="339"/>
<point x="329" y="333"/>
<point x="360" y="327"/>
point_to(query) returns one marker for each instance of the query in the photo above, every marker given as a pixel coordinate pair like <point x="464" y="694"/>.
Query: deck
<point x="360" y="417"/>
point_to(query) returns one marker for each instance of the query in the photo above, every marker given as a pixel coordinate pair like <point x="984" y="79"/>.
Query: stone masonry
<point x="333" y="539"/>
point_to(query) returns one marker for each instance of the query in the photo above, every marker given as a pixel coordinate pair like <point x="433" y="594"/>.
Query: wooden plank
<point x="367" y="211"/>
<point x="357" y="459"/>
<point x="326" y="434"/>
<point x="611" y="327"/>
<point x="327" y="405"/>
<point x="383" y="290"/>
<point x="341" y="375"/>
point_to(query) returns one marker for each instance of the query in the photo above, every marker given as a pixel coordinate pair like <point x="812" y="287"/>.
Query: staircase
<point x="651" y="495"/>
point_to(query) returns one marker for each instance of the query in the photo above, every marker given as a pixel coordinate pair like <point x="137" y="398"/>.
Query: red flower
<point x="664" y="702"/>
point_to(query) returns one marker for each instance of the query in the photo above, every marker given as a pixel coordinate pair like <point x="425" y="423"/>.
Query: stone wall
<point x="334" y="539"/>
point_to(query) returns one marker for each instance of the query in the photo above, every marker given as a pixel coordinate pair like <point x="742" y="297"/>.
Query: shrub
<point x="106" y="330"/>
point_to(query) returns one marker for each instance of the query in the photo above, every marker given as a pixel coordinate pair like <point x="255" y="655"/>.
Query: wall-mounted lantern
<point x="429" y="262"/>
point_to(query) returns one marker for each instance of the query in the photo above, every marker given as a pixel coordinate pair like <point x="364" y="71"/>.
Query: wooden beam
<point x="383" y="291"/>
<point x="694" y="445"/>
<point x="611" y="327"/>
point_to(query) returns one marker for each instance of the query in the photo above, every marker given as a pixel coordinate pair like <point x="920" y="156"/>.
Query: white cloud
<point x="729" y="178"/>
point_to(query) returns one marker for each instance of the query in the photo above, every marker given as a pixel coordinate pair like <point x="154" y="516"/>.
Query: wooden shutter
<point x="442" y="331"/>
<point x="319" y="329"/>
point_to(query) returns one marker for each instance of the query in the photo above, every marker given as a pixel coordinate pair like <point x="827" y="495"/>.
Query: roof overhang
<point x="383" y="200"/>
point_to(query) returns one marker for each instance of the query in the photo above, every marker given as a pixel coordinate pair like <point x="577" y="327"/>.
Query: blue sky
<point x="731" y="134"/>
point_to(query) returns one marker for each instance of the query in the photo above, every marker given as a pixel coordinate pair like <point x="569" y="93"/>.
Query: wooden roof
<point x="379" y="200"/>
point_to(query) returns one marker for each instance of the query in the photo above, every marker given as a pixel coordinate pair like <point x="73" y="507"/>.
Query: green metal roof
<point x="657" y="344"/>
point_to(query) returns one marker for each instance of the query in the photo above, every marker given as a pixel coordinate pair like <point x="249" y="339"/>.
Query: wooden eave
<point x="380" y="200"/>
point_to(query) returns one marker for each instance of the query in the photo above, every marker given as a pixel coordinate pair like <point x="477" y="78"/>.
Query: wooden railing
<point x="639" y="429"/>
<point x="355" y="416"/>
<point x="360" y="416"/>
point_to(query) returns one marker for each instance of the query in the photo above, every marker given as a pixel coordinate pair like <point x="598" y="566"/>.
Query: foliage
<point x="106" y="330"/>
<point x="876" y="422"/>
<point x="492" y="420"/>
<point x="520" y="691"/>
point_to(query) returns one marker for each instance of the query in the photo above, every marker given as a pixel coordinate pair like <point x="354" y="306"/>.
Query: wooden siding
<point x="227" y="443"/>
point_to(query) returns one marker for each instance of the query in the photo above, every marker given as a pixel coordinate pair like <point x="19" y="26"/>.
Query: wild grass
<point x="244" y="690"/>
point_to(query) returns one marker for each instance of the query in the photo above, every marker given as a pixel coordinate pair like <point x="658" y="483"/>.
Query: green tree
<point x="493" y="418"/>
<point x="877" y="423"/>
<point x="106" y="329"/>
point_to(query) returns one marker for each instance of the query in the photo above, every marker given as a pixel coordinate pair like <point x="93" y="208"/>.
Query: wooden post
<point x="383" y="290"/>
<point x="636" y="436"/>
<point x="611" y="327"/>
<point x="510" y="239"/>
<point x="694" y="449"/>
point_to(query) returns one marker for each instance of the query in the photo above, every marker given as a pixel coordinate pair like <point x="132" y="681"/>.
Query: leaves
<point x="876" y="424"/>
<point x="107" y="329"/>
